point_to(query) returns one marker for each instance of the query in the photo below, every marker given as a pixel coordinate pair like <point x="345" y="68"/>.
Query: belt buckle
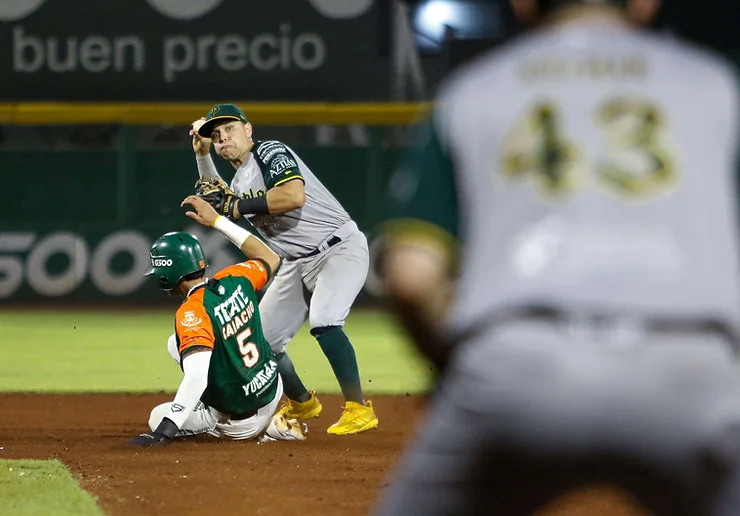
<point x="334" y="240"/>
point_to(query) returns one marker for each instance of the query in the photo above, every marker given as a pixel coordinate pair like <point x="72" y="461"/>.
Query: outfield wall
<point x="77" y="224"/>
<point x="81" y="228"/>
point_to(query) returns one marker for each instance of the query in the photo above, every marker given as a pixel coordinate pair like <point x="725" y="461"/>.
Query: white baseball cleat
<point x="282" y="429"/>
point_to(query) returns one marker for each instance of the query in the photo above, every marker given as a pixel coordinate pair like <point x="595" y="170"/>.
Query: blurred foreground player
<point x="564" y="248"/>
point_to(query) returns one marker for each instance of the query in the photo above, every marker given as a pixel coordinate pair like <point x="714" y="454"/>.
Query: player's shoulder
<point x="264" y="150"/>
<point x="192" y="310"/>
<point x="479" y="79"/>
<point x="495" y="64"/>
<point x="229" y="270"/>
<point x="241" y="269"/>
<point x="485" y="76"/>
<point x="674" y="58"/>
<point x="702" y="65"/>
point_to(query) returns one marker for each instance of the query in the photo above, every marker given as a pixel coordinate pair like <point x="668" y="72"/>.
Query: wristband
<point x="167" y="428"/>
<point x="253" y="206"/>
<point x="236" y="234"/>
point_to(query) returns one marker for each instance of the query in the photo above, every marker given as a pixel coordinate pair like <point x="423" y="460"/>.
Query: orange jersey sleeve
<point x="194" y="327"/>
<point x="253" y="270"/>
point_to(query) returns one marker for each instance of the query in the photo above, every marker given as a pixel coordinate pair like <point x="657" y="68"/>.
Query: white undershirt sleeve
<point x="172" y="348"/>
<point x="194" y="383"/>
<point x="206" y="167"/>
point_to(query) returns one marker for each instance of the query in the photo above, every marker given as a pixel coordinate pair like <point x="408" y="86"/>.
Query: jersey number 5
<point x="249" y="351"/>
<point x="636" y="160"/>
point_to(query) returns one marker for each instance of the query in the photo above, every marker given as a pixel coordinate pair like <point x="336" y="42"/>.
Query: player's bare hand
<point x="204" y="213"/>
<point x="201" y="146"/>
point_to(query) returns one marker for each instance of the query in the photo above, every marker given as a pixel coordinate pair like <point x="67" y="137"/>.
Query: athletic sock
<point x="341" y="355"/>
<point x="292" y="385"/>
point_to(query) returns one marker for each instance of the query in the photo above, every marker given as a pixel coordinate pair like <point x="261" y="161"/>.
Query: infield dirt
<point x="324" y="475"/>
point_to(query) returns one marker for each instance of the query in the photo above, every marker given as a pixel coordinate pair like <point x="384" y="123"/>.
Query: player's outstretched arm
<point x="420" y="234"/>
<point x="194" y="383"/>
<point x="252" y="247"/>
<point x="419" y="290"/>
<point x="202" y="149"/>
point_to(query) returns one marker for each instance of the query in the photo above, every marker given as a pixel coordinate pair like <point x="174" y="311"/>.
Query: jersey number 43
<point x="630" y="155"/>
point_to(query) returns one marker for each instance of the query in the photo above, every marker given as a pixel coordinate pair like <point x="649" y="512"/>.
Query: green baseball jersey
<point x="224" y="317"/>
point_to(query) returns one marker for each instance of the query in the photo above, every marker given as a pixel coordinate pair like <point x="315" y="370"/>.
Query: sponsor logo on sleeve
<point x="280" y="164"/>
<point x="189" y="320"/>
<point x="268" y="149"/>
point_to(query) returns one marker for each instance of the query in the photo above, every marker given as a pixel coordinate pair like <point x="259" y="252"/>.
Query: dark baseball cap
<point x="218" y="113"/>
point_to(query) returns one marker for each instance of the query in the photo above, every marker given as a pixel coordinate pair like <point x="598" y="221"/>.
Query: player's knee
<point x="157" y="414"/>
<point x="278" y="346"/>
<point x="318" y="320"/>
<point x="277" y="338"/>
<point x="318" y="331"/>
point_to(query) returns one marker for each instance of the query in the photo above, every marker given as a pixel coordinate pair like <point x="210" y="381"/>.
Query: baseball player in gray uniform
<point x="325" y="256"/>
<point x="564" y="246"/>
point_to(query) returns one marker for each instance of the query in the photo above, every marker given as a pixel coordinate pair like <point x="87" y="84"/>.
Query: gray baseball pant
<point x="530" y="410"/>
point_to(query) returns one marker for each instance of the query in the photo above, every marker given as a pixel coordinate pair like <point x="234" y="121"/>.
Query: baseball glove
<point x="218" y="195"/>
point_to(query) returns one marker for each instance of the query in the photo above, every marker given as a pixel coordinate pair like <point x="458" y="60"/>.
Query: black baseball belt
<point x="334" y="240"/>
<point x="559" y="316"/>
<point x="245" y="415"/>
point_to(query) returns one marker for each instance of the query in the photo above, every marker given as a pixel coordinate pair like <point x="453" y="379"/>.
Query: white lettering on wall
<point x="181" y="53"/>
<point x="93" y="54"/>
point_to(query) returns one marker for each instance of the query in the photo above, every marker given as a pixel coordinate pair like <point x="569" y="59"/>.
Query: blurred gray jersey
<point x="596" y="171"/>
<point x="298" y="232"/>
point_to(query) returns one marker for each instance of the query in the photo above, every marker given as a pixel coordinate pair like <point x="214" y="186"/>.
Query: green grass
<point x="98" y="351"/>
<point x="34" y="487"/>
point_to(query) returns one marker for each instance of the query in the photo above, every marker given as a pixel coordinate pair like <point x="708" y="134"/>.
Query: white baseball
<point x="198" y="124"/>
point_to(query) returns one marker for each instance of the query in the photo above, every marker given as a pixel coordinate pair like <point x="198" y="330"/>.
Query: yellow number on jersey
<point x="637" y="161"/>
<point x="537" y="150"/>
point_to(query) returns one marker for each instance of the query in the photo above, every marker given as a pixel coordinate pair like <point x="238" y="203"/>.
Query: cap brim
<point x="150" y="272"/>
<point x="206" y="129"/>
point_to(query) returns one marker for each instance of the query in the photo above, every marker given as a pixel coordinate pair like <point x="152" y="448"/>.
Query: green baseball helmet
<point x="175" y="255"/>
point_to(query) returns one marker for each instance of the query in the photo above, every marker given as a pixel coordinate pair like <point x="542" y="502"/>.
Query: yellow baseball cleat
<point x="356" y="418"/>
<point x="300" y="411"/>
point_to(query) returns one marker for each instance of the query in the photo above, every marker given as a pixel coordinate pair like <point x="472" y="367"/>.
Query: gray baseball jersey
<point x="578" y="169"/>
<point x="333" y="277"/>
<point x="298" y="232"/>
<point x="584" y="159"/>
